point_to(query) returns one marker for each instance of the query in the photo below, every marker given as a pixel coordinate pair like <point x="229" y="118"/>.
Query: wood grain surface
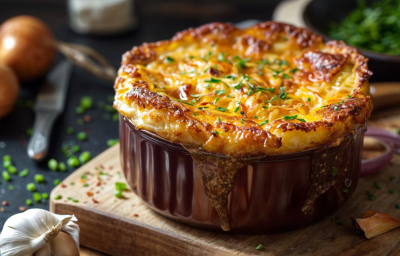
<point x="127" y="227"/>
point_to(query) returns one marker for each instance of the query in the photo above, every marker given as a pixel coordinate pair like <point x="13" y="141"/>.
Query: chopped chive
<point x="242" y="121"/>
<point x="85" y="185"/>
<point x="79" y="110"/>
<point x="272" y="99"/>
<point x="12" y="169"/>
<point x="37" y="197"/>
<point x="255" y="117"/>
<point x="169" y="60"/>
<point x="282" y="94"/>
<point x="290" y="117"/>
<point x="112" y="142"/>
<point x="309" y="99"/>
<point x="293" y="71"/>
<point x="335" y="108"/>
<point x="195" y="114"/>
<point x="82" y="136"/>
<point x="265" y="122"/>
<point x="286" y="76"/>
<point x="28" y="202"/>
<point x="85" y="157"/>
<point x="323" y="106"/>
<point x="70" y="130"/>
<point x="83" y="176"/>
<point x="39" y="178"/>
<point x="236" y="109"/>
<point x="187" y="103"/>
<point x="56" y="182"/>
<point x="219" y="92"/>
<point x="31" y="187"/>
<point x="57" y="197"/>
<point x="45" y="196"/>
<point x="216" y="100"/>
<point x="219" y="120"/>
<point x="75" y="200"/>
<point x="52" y="164"/>
<point x="231" y="77"/>
<point x="86" y="102"/>
<point x="195" y="95"/>
<point x="371" y="196"/>
<point x="73" y="162"/>
<point x="259" y="247"/>
<point x="301" y="120"/>
<point x="216" y="132"/>
<point x="271" y="89"/>
<point x="334" y="172"/>
<point x="201" y="108"/>
<point x="212" y="80"/>
<point x="349" y="96"/>
<point x="6" y="176"/>
<point x="221" y="56"/>
<point x="377" y="185"/>
<point x="23" y="173"/>
<point x="221" y="109"/>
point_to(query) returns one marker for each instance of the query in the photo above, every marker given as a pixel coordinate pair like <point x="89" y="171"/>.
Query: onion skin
<point x="9" y="89"/>
<point x="26" y="46"/>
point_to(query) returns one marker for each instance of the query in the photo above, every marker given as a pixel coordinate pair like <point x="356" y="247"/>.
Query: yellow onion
<point x="9" y="89"/>
<point x="26" y="46"/>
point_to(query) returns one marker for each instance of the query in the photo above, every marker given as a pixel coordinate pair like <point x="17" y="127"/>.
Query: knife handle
<point x="39" y="142"/>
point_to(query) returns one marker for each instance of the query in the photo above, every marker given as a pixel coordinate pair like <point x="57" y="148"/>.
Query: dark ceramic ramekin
<point x="276" y="193"/>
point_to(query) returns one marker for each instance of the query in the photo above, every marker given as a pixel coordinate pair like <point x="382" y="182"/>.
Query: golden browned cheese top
<point x="269" y="89"/>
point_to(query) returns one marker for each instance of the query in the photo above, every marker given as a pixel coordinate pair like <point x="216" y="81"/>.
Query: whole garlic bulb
<point x="39" y="232"/>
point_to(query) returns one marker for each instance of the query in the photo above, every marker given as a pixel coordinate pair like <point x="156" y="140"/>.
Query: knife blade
<point x="49" y="104"/>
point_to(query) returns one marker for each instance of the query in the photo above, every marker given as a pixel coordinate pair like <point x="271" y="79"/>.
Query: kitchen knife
<point x="48" y="106"/>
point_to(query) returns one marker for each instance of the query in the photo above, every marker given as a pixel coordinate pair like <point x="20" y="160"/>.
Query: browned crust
<point x="359" y="106"/>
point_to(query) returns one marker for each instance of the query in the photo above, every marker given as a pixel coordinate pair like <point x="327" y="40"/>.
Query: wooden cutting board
<point x="127" y="227"/>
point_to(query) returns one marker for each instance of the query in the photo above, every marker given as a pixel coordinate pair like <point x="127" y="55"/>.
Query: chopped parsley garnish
<point x="293" y="71"/>
<point x="201" y="108"/>
<point x="335" y="108"/>
<point x="221" y="109"/>
<point x="269" y="101"/>
<point x="323" y="106"/>
<point x="301" y="120"/>
<point x="205" y="70"/>
<point x="219" y="120"/>
<point x="216" y="100"/>
<point x="377" y="185"/>
<point x="271" y="89"/>
<point x="255" y="117"/>
<point x="195" y="95"/>
<point x="286" y="76"/>
<point x="231" y="77"/>
<point x="290" y="117"/>
<point x="169" y="60"/>
<point x="259" y="247"/>
<point x="264" y="106"/>
<point x="334" y="172"/>
<point x="221" y="56"/>
<point x="281" y="62"/>
<point x="349" y="96"/>
<point x="259" y="89"/>
<point x="216" y="132"/>
<point x="186" y="102"/>
<point x="192" y="101"/>
<point x="195" y="114"/>
<point x="219" y="92"/>
<point x="212" y="80"/>
<point x="236" y="109"/>
<point x="308" y="99"/>
<point x="265" y="122"/>
<point x="282" y="94"/>
<point x="242" y="121"/>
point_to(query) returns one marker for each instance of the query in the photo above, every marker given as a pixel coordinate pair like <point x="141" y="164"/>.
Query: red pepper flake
<point x="63" y="185"/>
<point x="87" y="118"/>
<point x="5" y="203"/>
<point x="1" y="209"/>
<point x="95" y="201"/>
<point x="98" y="184"/>
<point x="101" y="166"/>
<point x="136" y="215"/>
<point x="89" y="193"/>
<point x="22" y="208"/>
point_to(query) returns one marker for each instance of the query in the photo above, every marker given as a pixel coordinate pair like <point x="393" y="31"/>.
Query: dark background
<point x="158" y="19"/>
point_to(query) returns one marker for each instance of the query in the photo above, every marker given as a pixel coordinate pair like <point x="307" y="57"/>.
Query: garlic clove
<point x="26" y="233"/>
<point x="375" y="223"/>
<point x="63" y="245"/>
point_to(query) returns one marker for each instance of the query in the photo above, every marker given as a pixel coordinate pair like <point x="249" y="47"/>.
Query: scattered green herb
<point x="212" y="80"/>
<point x="371" y="196"/>
<point x="263" y="123"/>
<point x="169" y="60"/>
<point x="57" y="197"/>
<point x="184" y="102"/>
<point x="290" y="117"/>
<point x="56" y="182"/>
<point x="221" y="109"/>
<point x="259" y="247"/>
<point x="282" y="94"/>
<point x="219" y="92"/>
<point x="377" y="185"/>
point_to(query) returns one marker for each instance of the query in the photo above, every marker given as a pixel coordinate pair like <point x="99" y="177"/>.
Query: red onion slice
<point x="389" y="140"/>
